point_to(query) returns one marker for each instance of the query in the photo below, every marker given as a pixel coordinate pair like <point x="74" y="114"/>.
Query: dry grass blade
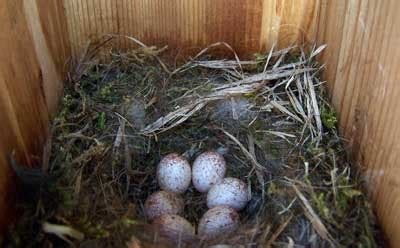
<point x="223" y="64"/>
<point x="120" y="134"/>
<point x="268" y="59"/>
<point x="149" y="50"/>
<point x="286" y="111"/>
<point x="296" y="104"/>
<point x="258" y="168"/>
<point x="174" y="118"/>
<point x="282" y="135"/>
<point x="317" y="51"/>
<point x="191" y="64"/>
<point x="315" y="106"/>
<point x="259" y="173"/>
<point x="279" y="52"/>
<point x="314" y="218"/>
<point x="62" y="231"/>
<point x="268" y="75"/>
<point x="278" y="232"/>
<point x="180" y="115"/>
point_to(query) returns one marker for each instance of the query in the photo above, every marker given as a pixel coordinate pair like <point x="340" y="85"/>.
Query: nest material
<point x="269" y="116"/>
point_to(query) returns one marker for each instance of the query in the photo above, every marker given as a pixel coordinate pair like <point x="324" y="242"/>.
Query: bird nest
<point x="268" y="116"/>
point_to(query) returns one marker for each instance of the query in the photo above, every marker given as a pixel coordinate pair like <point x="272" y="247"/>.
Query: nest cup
<point x="268" y="116"/>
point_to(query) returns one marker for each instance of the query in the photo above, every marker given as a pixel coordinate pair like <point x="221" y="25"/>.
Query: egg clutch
<point x="225" y="197"/>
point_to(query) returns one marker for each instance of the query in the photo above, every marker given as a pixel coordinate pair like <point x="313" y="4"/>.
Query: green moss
<point x="66" y="103"/>
<point x="328" y="116"/>
<point x="101" y="120"/>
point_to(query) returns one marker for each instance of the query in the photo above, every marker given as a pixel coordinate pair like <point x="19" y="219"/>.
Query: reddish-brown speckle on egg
<point x="209" y="168"/>
<point x="174" y="227"/>
<point x="231" y="192"/>
<point x="163" y="202"/>
<point x="174" y="173"/>
<point x="218" y="221"/>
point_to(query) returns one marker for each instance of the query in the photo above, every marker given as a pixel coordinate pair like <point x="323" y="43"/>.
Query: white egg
<point x="163" y="202"/>
<point x="209" y="168"/>
<point x="174" y="227"/>
<point x="220" y="220"/>
<point x="231" y="192"/>
<point x="174" y="173"/>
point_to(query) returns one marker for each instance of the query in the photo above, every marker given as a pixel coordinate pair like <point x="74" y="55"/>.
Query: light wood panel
<point x="364" y="77"/>
<point x="31" y="58"/>
<point x="188" y="25"/>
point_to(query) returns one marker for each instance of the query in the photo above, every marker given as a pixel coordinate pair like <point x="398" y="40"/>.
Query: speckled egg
<point x="209" y="168"/>
<point x="217" y="221"/>
<point x="231" y="192"/>
<point x="163" y="202"/>
<point x="174" y="227"/>
<point x="174" y="173"/>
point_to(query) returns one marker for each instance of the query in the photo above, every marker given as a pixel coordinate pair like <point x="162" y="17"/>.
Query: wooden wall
<point x="362" y="65"/>
<point x="363" y="74"/>
<point x="31" y="65"/>
<point x="247" y="25"/>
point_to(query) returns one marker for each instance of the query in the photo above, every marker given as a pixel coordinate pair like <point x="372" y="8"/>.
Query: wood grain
<point x="31" y="58"/>
<point x="50" y="44"/>
<point x="188" y="25"/>
<point x="363" y="75"/>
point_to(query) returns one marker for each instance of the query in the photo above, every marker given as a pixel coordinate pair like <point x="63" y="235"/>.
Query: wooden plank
<point x="50" y="54"/>
<point x="188" y="25"/>
<point x="363" y="73"/>
<point x="297" y="21"/>
<point x="330" y="30"/>
<point x="21" y="100"/>
<point x="32" y="58"/>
